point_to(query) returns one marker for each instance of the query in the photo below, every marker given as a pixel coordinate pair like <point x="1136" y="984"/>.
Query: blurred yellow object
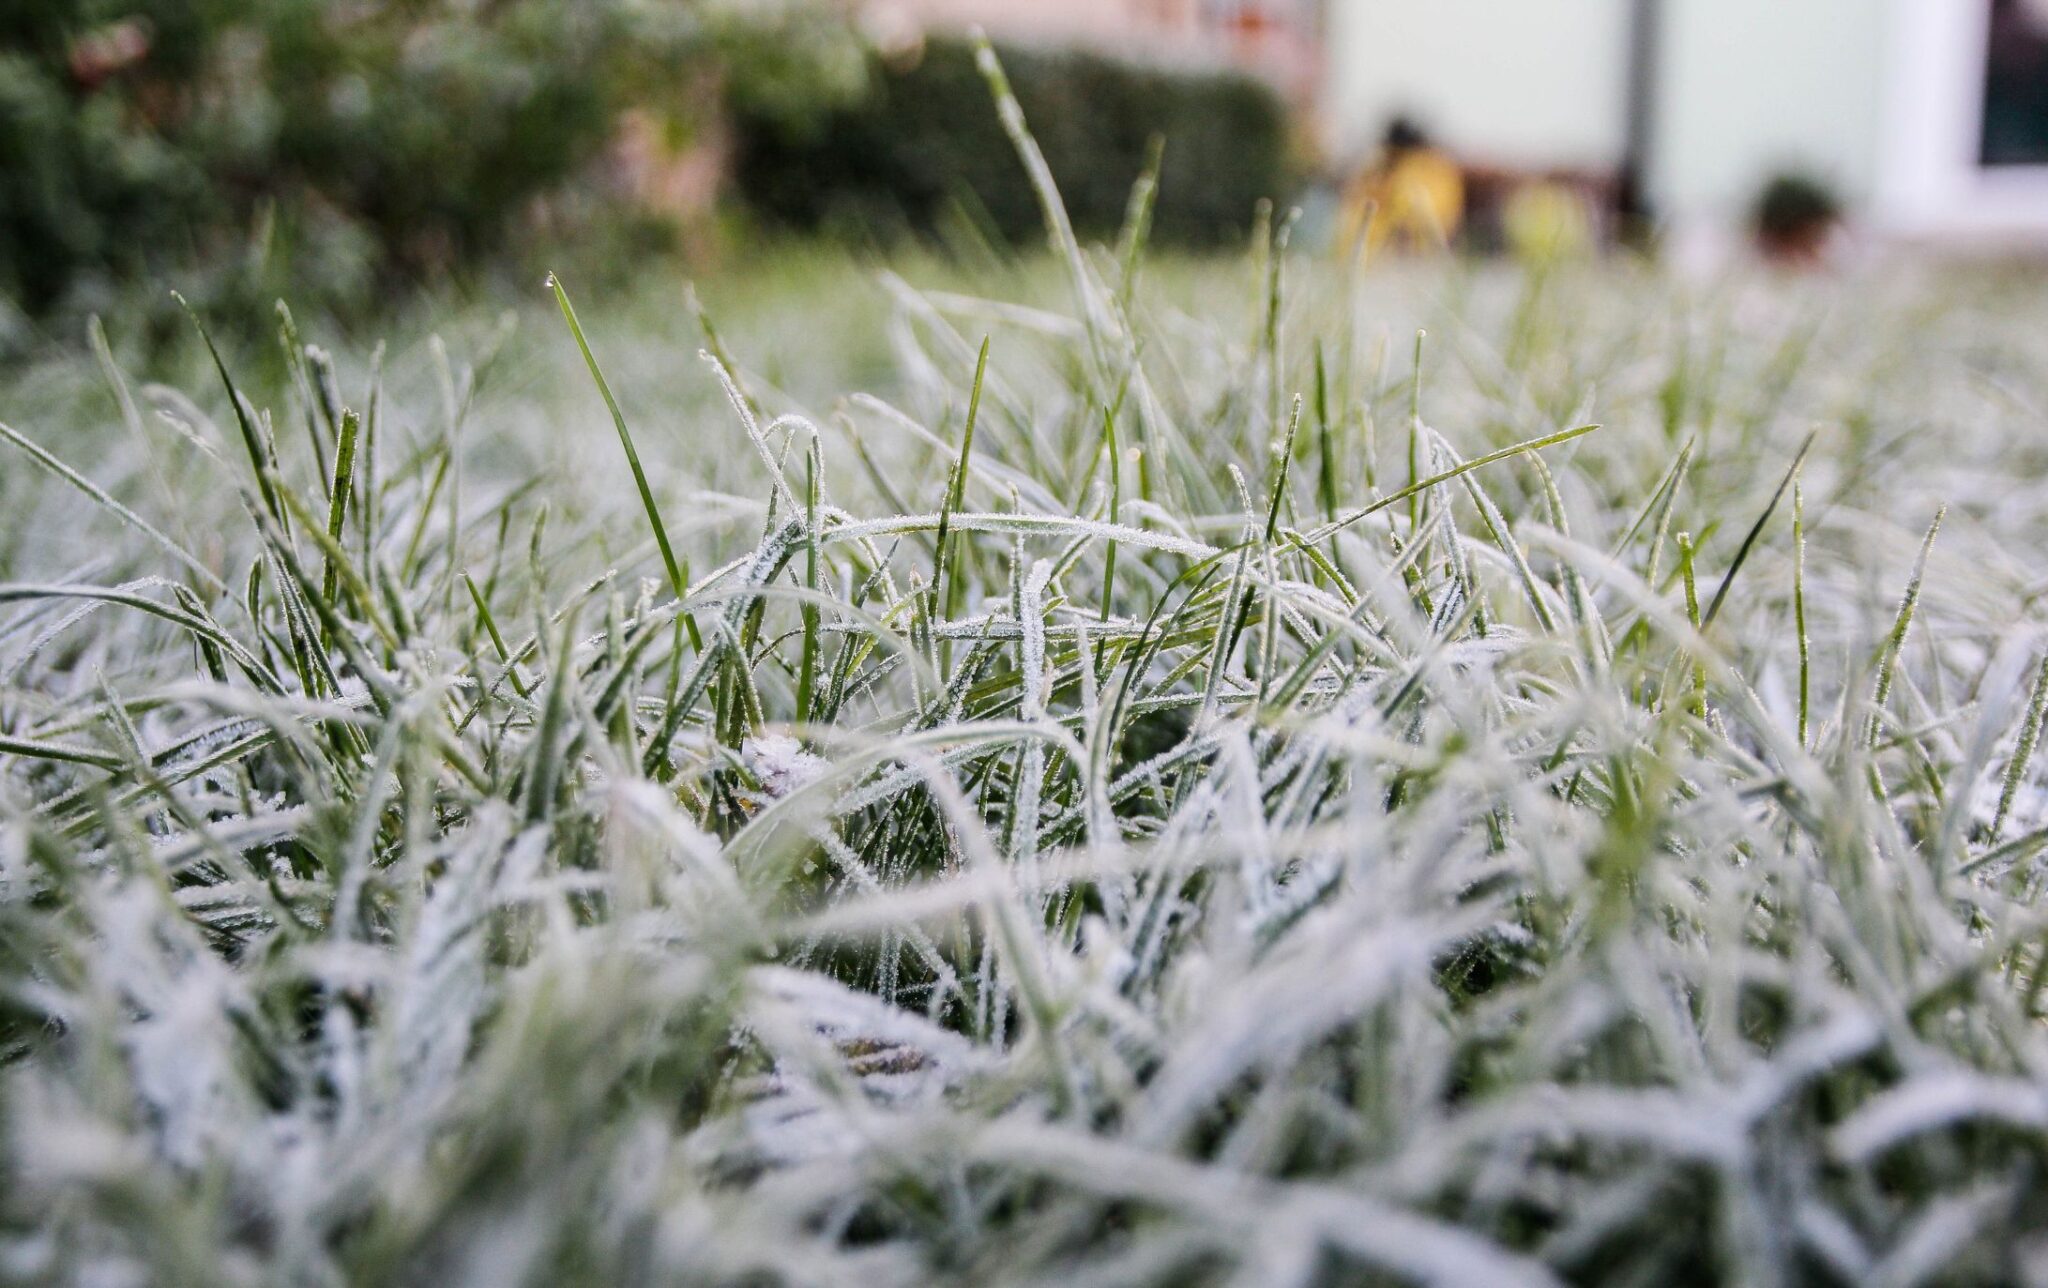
<point x="1543" y="222"/>
<point x="1413" y="200"/>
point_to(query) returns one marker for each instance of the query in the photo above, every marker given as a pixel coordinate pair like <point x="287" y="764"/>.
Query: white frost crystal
<point x="780" y="764"/>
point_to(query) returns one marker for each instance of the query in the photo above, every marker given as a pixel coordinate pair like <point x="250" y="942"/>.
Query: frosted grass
<point x="1378" y="869"/>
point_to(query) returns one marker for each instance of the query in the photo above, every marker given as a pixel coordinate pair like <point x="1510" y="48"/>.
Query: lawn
<point x="1095" y="769"/>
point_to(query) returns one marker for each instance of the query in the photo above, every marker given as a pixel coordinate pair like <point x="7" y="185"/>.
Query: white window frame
<point x="1930" y="182"/>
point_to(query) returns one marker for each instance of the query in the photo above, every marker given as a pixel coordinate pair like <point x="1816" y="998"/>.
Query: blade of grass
<point x="338" y="491"/>
<point x="261" y="458"/>
<point x="1327" y="530"/>
<point x="1755" y="530"/>
<point x="678" y="578"/>
<point x="943" y="571"/>
<point x="1799" y="608"/>
<point x="100" y="497"/>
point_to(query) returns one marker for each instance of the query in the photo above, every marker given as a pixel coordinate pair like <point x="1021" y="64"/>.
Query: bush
<point x="89" y="182"/>
<point x="1794" y="205"/>
<point x="925" y="142"/>
<point x="374" y="141"/>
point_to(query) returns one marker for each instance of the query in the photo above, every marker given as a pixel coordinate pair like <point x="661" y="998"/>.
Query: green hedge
<point x="350" y="148"/>
<point x="925" y="141"/>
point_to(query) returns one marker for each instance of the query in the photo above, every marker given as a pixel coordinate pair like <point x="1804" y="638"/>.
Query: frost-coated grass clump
<point x="1205" y="788"/>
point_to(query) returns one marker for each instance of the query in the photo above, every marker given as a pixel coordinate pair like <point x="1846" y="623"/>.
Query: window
<point x="2014" y="129"/>
<point x="1962" y="141"/>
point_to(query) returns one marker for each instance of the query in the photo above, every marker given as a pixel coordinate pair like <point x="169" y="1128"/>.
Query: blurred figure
<point x="1411" y="198"/>
<point x="1546" y="221"/>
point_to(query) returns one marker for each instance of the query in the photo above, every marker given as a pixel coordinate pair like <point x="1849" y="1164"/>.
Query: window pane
<point x="2016" y="85"/>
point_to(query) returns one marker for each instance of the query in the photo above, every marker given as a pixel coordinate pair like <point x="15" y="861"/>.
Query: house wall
<point x="1749" y="88"/>
<point x="1745" y="88"/>
<point x="1928" y="183"/>
<point x="1273" y="39"/>
<point x="1521" y="82"/>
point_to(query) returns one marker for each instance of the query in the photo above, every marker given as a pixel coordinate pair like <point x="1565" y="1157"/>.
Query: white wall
<point x="1751" y="87"/>
<point x="1929" y="183"/>
<point x="1745" y="88"/>
<point x="1524" y="82"/>
<point x="1877" y="97"/>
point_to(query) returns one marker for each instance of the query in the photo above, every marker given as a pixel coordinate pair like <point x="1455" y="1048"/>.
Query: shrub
<point x="377" y="140"/>
<point x="89" y="181"/>
<point x="922" y="143"/>
<point x="1792" y="205"/>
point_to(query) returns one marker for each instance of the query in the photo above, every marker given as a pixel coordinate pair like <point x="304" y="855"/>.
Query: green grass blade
<point x="678" y="580"/>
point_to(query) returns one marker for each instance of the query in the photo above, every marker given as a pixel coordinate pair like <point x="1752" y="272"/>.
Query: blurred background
<point x="346" y="154"/>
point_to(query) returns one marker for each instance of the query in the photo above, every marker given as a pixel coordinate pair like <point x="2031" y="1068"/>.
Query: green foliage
<point x="1791" y="205"/>
<point x="922" y="144"/>
<point x="334" y="147"/>
<point x="85" y="187"/>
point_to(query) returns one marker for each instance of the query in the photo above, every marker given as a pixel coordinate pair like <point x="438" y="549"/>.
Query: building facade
<point x="1929" y="117"/>
<point x="1278" y="40"/>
